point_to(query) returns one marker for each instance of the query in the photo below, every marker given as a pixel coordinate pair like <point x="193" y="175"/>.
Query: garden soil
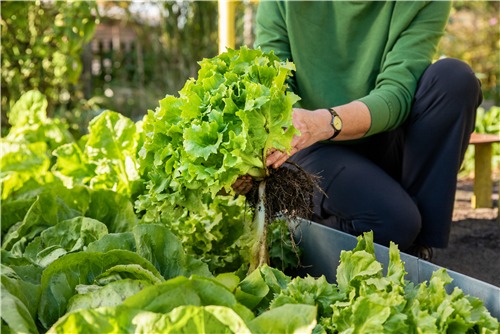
<point x="474" y="247"/>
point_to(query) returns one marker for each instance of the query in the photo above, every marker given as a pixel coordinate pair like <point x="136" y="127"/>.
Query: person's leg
<point x="360" y="195"/>
<point x="436" y="137"/>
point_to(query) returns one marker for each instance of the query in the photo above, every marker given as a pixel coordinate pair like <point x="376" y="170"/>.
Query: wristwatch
<point x="336" y="123"/>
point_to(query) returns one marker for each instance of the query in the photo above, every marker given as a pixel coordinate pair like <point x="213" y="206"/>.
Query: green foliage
<point x="24" y="167"/>
<point x="64" y="274"/>
<point x="75" y="260"/>
<point x="19" y="302"/>
<point x="26" y="150"/>
<point x="472" y="35"/>
<point x="68" y="236"/>
<point x="282" y="252"/>
<point x="218" y="129"/>
<point x="30" y="109"/>
<point x="46" y="211"/>
<point x="198" y="291"/>
<point x="41" y="46"/>
<point x="372" y="303"/>
<point x="112" y="294"/>
<point x="108" y="159"/>
<point x="158" y="245"/>
<point x="189" y="319"/>
<point x="15" y="316"/>
<point x="309" y="291"/>
<point x="213" y="234"/>
<point x="200" y="143"/>
<point x="285" y="319"/>
<point x="55" y="204"/>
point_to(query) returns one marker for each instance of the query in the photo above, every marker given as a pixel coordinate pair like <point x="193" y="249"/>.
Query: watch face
<point x="337" y="123"/>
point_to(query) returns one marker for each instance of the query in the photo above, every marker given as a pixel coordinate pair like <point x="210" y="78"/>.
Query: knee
<point x="456" y="78"/>
<point x="402" y="223"/>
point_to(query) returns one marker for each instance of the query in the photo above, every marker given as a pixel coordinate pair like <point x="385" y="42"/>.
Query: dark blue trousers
<point x="401" y="184"/>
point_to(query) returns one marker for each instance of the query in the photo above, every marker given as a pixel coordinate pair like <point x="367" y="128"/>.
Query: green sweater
<point x="374" y="52"/>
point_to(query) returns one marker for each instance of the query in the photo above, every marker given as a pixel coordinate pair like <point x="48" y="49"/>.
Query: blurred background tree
<point x="473" y="35"/>
<point x="41" y="48"/>
<point x="168" y="38"/>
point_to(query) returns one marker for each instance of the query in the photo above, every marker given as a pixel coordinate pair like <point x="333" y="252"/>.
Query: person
<point x="384" y="127"/>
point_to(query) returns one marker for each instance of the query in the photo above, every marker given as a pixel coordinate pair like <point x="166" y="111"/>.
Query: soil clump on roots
<point x="289" y="194"/>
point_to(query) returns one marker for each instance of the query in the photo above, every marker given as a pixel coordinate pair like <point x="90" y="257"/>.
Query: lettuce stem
<point x="259" y="252"/>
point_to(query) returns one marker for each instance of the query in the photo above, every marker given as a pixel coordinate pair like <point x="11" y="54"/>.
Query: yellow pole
<point x="483" y="186"/>
<point x="226" y="25"/>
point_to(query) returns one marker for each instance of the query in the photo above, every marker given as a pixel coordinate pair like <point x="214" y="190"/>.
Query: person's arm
<point x="411" y="53"/>
<point x="315" y="125"/>
<point x="389" y="103"/>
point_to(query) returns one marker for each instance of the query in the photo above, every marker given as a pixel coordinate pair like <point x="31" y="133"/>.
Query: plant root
<point x="289" y="195"/>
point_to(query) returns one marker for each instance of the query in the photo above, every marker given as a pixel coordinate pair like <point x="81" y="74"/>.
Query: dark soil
<point x="474" y="247"/>
<point x="289" y="193"/>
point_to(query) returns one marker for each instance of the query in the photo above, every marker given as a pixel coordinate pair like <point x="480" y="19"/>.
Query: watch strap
<point x="336" y="131"/>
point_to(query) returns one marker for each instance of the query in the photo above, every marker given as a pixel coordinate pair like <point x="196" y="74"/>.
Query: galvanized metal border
<point x="323" y="245"/>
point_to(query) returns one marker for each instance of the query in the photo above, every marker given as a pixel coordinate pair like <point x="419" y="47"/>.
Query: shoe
<point x="420" y="251"/>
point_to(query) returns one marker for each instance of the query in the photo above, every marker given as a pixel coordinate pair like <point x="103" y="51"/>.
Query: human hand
<point x="314" y="125"/>
<point x="243" y="185"/>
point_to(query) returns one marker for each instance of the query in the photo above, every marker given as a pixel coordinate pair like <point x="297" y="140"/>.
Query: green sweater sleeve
<point x="411" y="53"/>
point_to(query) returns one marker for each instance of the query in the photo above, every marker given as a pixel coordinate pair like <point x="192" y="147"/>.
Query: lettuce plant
<point x="107" y="159"/>
<point x="218" y="129"/>
<point x="26" y="150"/>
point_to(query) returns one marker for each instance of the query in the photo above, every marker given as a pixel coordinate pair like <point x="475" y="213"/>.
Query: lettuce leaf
<point x="31" y="108"/>
<point x="180" y="291"/>
<point x="16" y="314"/>
<point x="160" y="247"/>
<point x="112" y="294"/>
<point x="372" y="303"/>
<point x="64" y="274"/>
<point x="122" y="319"/>
<point x="24" y="166"/>
<point x="46" y="211"/>
<point x="310" y="291"/>
<point x="108" y="159"/>
<point x="67" y="236"/>
<point x="112" y="209"/>
<point x="27" y="293"/>
<point x="130" y="271"/>
<point x="285" y="319"/>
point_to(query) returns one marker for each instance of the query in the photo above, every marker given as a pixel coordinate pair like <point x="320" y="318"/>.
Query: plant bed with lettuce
<point x="78" y="258"/>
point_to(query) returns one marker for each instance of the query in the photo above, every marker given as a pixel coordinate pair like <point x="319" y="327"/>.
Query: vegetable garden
<point x="135" y="227"/>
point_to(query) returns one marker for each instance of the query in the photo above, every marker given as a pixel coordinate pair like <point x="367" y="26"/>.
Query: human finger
<point x="277" y="162"/>
<point x="243" y="188"/>
<point x="296" y="140"/>
<point x="246" y="188"/>
<point x="271" y="159"/>
<point x="284" y="158"/>
<point x="237" y="183"/>
<point x="270" y="151"/>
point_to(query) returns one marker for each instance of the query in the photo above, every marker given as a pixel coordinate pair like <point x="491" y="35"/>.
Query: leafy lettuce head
<point x="217" y="130"/>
